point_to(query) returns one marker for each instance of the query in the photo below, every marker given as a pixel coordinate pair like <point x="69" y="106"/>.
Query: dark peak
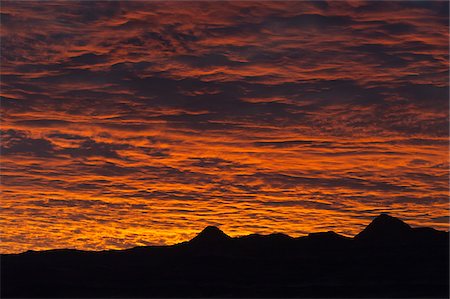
<point x="211" y="231"/>
<point x="211" y="234"/>
<point x="385" y="227"/>
<point x="389" y="221"/>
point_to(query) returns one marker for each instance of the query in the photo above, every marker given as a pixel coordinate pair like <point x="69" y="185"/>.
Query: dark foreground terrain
<point x="387" y="259"/>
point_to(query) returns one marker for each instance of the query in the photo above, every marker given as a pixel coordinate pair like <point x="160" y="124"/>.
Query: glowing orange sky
<point x="140" y="123"/>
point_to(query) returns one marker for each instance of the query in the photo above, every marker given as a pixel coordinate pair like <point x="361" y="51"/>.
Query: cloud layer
<point x="132" y="123"/>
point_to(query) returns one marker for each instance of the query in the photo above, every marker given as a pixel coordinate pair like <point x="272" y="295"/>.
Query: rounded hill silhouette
<point x="385" y="228"/>
<point x="209" y="236"/>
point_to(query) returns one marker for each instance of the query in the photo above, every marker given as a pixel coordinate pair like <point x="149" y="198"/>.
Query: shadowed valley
<point x="387" y="259"/>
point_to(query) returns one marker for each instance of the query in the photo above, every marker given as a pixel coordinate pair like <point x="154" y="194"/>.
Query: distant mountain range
<point x="387" y="259"/>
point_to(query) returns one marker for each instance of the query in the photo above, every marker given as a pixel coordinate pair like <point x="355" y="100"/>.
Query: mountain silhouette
<point x="211" y="235"/>
<point x="388" y="259"/>
<point x="385" y="228"/>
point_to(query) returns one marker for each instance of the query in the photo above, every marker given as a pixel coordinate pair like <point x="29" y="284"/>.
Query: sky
<point x="140" y="123"/>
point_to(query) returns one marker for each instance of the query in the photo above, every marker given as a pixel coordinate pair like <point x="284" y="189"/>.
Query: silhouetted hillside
<point x="210" y="236"/>
<point x="387" y="259"/>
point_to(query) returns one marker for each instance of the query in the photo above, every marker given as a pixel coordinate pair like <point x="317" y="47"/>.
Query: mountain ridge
<point x="213" y="264"/>
<point x="376" y="231"/>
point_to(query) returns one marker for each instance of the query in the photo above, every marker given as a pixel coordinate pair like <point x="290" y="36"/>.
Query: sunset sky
<point x="140" y="123"/>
